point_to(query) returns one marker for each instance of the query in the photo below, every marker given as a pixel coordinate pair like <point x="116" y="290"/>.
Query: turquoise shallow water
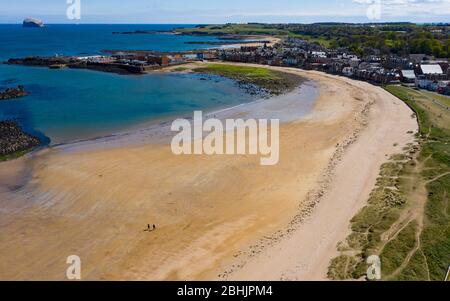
<point x="67" y="105"/>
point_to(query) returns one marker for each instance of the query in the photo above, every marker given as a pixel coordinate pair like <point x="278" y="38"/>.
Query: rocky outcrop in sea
<point x="249" y="88"/>
<point x="253" y="89"/>
<point x="10" y="93"/>
<point x="32" y="22"/>
<point x="13" y="139"/>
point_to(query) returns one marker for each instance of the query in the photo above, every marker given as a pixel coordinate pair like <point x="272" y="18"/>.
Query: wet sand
<point x="95" y="201"/>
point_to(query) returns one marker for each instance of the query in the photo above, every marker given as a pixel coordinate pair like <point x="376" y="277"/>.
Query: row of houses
<point x="416" y="69"/>
<point x="428" y="76"/>
<point x="147" y="60"/>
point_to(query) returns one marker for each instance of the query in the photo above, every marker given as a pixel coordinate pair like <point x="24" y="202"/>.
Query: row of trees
<point x="401" y="39"/>
<point x="398" y="38"/>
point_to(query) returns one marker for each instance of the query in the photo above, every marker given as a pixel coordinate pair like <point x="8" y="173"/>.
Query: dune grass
<point x="14" y="155"/>
<point x="407" y="219"/>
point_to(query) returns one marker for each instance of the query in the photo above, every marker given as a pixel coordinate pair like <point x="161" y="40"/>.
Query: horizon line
<point x="274" y="23"/>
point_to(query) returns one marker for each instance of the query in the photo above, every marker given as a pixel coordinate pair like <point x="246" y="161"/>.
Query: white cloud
<point x="398" y="8"/>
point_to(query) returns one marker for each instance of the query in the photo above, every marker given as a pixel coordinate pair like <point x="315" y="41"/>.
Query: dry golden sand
<point x="309" y="243"/>
<point x="271" y="41"/>
<point x="208" y="210"/>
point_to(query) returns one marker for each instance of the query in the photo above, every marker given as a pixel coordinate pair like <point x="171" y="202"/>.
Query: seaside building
<point x="408" y="76"/>
<point x="97" y="59"/>
<point x="431" y="70"/>
<point x="161" y="60"/>
<point x="348" y="71"/>
<point x="418" y="58"/>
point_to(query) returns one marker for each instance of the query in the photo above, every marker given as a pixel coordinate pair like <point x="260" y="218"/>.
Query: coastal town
<point x="228" y="152"/>
<point x="416" y="70"/>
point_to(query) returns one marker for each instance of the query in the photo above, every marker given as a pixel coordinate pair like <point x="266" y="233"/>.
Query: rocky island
<point x="11" y="93"/>
<point x="14" y="141"/>
<point x="32" y="22"/>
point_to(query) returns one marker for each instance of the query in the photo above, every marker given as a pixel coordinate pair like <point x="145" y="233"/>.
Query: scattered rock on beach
<point x="13" y="139"/>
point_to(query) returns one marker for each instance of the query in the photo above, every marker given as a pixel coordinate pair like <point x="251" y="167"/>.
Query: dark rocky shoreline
<point x="247" y="87"/>
<point x="13" y="140"/>
<point x="263" y="87"/>
<point x="70" y="62"/>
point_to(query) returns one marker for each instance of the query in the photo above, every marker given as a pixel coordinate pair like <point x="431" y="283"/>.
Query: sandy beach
<point x="217" y="217"/>
<point x="270" y="39"/>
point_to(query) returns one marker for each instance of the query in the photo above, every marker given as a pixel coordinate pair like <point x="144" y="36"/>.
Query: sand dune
<point x="209" y="210"/>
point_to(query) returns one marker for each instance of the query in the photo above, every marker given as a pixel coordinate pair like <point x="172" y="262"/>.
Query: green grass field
<point x="252" y="29"/>
<point x="407" y="219"/>
<point x="445" y="100"/>
<point x="273" y="81"/>
<point x="235" y="29"/>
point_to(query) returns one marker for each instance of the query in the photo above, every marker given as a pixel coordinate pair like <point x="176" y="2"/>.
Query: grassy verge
<point x="273" y="81"/>
<point x="14" y="155"/>
<point x="179" y="69"/>
<point x="407" y="219"/>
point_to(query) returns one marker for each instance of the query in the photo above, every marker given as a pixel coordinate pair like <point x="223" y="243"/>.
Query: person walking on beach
<point x="150" y="228"/>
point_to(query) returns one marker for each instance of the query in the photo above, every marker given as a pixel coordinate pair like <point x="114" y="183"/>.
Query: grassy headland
<point x="234" y="29"/>
<point x="255" y="29"/>
<point x="273" y="82"/>
<point x="388" y="38"/>
<point x="407" y="219"/>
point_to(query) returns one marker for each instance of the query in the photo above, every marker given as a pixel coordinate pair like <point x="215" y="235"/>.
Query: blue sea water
<point x="65" y="39"/>
<point x="67" y="105"/>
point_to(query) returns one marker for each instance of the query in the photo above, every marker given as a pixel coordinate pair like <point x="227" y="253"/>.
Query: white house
<point x="408" y="76"/>
<point x="348" y="71"/>
<point x="434" y="69"/>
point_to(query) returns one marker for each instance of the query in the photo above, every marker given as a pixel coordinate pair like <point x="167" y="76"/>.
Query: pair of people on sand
<point x="150" y="228"/>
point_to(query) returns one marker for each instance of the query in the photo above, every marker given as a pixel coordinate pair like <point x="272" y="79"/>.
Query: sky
<point x="225" y="11"/>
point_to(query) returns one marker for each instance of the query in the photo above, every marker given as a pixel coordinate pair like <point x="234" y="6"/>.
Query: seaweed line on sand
<point x="306" y="207"/>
